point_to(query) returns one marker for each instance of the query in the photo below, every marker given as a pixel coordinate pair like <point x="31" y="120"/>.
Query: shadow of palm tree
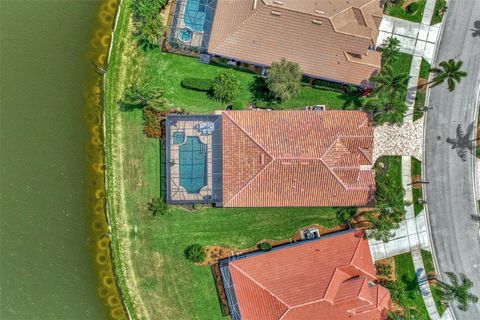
<point x="476" y="30"/>
<point x="352" y="98"/>
<point x="463" y="142"/>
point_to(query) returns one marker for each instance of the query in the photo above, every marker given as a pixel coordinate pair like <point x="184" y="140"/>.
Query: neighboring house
<point x="328" y="278"/>
<point x="262" y="158"/>
<point x="330" y="39"/>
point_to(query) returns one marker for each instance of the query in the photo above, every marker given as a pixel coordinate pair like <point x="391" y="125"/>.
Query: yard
<point x="417" y="189"/>
<point x="400" y="9"/>
<point x="156" y="278"/>
<point x="405" y="272"/>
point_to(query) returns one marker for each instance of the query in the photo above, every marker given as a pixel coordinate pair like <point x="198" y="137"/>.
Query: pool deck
<point x="188" y="127"/>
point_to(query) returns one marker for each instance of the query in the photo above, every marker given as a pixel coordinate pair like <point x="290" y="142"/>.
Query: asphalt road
<point x="450" y="192"/>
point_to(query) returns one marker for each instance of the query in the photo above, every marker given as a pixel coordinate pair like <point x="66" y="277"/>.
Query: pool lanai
<point x="194" y="159"/>
<point x="192" y="23"/>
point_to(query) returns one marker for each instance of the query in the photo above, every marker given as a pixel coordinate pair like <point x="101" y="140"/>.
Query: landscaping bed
<point x="417" y="196"/>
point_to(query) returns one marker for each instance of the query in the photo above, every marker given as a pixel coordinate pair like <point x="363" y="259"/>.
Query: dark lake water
<point x="46" y="265"/>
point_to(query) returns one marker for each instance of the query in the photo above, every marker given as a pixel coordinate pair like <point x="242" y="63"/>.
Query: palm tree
<point x="458" y="290"/>
<point x="381" y="227"/>
<point x="398" y="291"/>
<point x="448" y="71"/>
<point x="390" y="50"/>
<point x="140" y="96"/>
<point x="345" y="215"/>
<point x="389" y="83"/>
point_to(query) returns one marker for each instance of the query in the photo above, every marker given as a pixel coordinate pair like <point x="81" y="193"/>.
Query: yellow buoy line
<point x="99" y="50"/>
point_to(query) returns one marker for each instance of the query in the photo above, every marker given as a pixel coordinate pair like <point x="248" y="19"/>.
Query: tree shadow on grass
<point x="260" y="93"/>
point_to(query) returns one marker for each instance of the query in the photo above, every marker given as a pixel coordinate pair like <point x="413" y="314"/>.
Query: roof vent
<point x="277" y="2"/>
<point x="276" y="13"/>
<point x="319" y="11"/>
<point x="317" y="22"/>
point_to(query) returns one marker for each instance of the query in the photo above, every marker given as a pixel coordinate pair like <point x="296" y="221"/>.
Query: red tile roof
<point x="324" y="279"/>
<point x="329" y="39"/>
<point x="297" y="158"/>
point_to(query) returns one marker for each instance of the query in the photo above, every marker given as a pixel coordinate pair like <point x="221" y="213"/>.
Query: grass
<point x="437" y="12"/>
<point x="405" y="272"/>
<point x="391" y="171"/>
<point x="417" y="190"/>
<point x="430" y="269"/>
<point x="166" y="71"/>
<point x="154" y="275"/>
<point x="421" y="94"/>
<point x="397" y="10"/>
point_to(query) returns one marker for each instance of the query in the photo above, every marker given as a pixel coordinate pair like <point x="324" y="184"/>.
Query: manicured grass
<point x="424" y="69"/>
<point x="417" y="191"/>
<point x="391" y="171"/>
<point x="430" y="269"/>
<point x="437" y="13"/>
<point x="397" y="10"/>
<point x="405" y="272"/>
<point x="166" y="71"/>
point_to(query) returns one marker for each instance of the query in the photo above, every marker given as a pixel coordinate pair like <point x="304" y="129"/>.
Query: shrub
<point x="284" y="79"/>
<point x="327" y="85"/>
<point x="195" y="253"/>
<point x="149" y="25"/>
<point x="157" y="206"/>
<point x="412" y="8"/>
<point x="197" y="84"/>
<point x="225" y="86"/>
<point x="237" y="105"/>
<point x="265" y="246"/>
<point x="152" y="122"/>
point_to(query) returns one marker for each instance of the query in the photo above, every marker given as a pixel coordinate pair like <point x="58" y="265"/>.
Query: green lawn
<point x="417" y="192"/>
<point x="388" y="171"/>
<point x="397" y="10"/>
<point x="405" y="272"/>
<point x="421" y="94"/>
<point x="424" y="69"/>
<point x="437" y="14"/>
<point x="430" y="268"/>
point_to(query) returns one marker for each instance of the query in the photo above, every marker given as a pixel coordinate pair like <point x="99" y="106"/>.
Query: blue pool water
<point x="195" y="14"/>
<point x="193" y="165"/>
<point x="185" y="35"/>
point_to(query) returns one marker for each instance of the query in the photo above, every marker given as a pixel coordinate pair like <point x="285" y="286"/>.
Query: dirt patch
<point x="386" y="270"/>
<point x="422" y="85"/>
<point x="415" y="182"/>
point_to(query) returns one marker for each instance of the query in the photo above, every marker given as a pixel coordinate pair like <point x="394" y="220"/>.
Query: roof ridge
<point x="355" y="255"/>
<point x="256" y="11"/>
<point x="251" y="181"/>
<point x="261" y="286"/>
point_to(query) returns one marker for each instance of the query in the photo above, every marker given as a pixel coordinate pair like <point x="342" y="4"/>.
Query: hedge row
<point x="197" y="84"/>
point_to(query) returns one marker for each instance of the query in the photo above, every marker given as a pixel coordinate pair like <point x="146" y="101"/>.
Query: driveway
<point x="450" y="193"/>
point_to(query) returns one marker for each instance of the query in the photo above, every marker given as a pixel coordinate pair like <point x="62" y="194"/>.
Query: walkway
<point x="419" y="40"/>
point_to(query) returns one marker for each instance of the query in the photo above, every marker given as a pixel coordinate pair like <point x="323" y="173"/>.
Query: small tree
<point x="398" y="291"/>
<point x="157" y="206"/>
<point x="142" y="95"/>
<point x="284" y="79"/>
<point x="458" y="290"/>
<point x="195" y="253"/>
<point x="225" y="87"/>
<point x="448" y="71"/>
<point x="382" y="227"/>
<point x="148" y="23"/>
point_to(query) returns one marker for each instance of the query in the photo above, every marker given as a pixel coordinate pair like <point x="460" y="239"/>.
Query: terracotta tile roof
<point x="329" y="39"/>
<point x="297" y="158"/>
<point x="314" y="280"/>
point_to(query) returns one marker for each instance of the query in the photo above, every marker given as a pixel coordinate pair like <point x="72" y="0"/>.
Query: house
<point x="260" y="158"/>
<point x="330" y="39"/>
<point x="328" y="278"/>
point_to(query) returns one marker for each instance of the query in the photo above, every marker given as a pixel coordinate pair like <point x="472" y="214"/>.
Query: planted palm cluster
<point x="148" y="23"/>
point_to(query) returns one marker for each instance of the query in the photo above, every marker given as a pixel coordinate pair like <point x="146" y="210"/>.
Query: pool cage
<point x="191" y="26"/>
<point x="193" y="147"/>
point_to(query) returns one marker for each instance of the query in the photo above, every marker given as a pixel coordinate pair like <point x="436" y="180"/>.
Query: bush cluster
<point x="195" y="253"/>
<point x="152" y="122"/>
<point x="265" y="246"/>
<point x="197" y="84"/>
<point x="412" y="8"/>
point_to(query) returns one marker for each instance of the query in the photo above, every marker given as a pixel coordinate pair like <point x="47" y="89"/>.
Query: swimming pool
<point x="195" y="15"/>
<point x="193" y="165"/>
